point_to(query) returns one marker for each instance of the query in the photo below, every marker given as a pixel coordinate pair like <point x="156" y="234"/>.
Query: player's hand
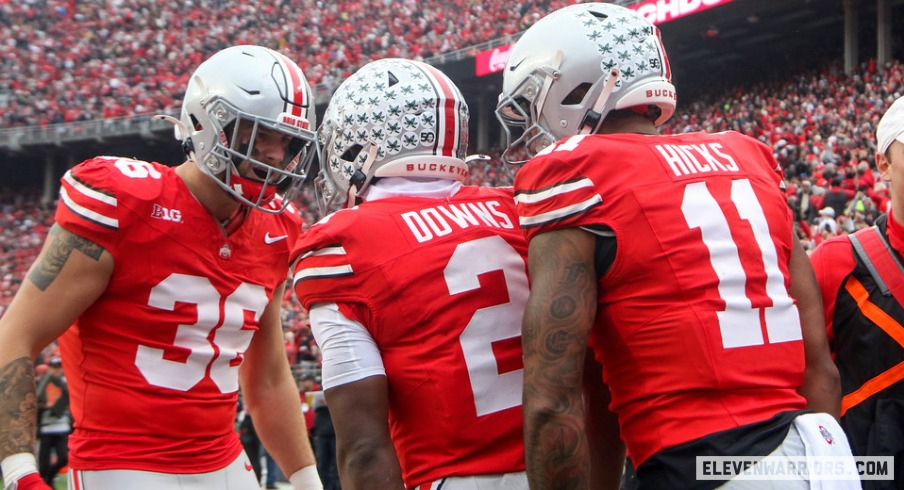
<point x="31" y="481"/>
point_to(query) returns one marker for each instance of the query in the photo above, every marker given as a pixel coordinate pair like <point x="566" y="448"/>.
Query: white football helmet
<point x="392" y="118"/>
<point x="573" y="67"/>
<point x="239" y="102"/>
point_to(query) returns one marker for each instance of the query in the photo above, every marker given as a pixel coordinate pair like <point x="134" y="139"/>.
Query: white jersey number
<point x="740" y="322"/>
<point x="137" y="169"/>
<point x="201" y="349"/>
<point x="493" y="391"/>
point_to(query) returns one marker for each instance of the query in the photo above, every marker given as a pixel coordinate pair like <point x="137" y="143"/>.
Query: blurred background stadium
<point x="80" y="78"/>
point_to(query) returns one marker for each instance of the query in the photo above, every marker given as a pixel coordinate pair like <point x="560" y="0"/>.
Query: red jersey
<point x="440" y="285"/>
<point x="695" y="327"/>
<point x="153" y="363"/>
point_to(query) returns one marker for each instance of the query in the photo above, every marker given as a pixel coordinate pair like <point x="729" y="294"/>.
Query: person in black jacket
<point x="55" y="422"/>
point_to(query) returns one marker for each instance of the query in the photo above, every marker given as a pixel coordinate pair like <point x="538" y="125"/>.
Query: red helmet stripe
<point x="296" y="84"/>
<point x="447" y="120"/>
<point x="666" y="69"/>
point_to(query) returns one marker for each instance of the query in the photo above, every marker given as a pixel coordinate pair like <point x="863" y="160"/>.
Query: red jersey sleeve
<point x="324" y="270"/>
<point x="88" y="203"/>
<point x="550" y="193"/>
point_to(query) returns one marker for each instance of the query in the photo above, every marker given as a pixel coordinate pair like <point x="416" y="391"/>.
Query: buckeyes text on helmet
<point x="573" y="67"/>
<point x="235" y="101"/>
<point x="391" y="118"/>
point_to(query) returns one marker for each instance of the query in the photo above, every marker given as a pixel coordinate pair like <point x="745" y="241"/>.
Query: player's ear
<point x="883" y="164"/>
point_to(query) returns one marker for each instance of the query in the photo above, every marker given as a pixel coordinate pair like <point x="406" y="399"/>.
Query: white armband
<point x="16" y="466"/>
<point x="306" y="478"/>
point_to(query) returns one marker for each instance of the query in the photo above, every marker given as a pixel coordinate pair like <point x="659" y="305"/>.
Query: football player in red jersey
<point x="672" y="257"/>
<point x="164" y="285"/>
<point x="416" y="288"/>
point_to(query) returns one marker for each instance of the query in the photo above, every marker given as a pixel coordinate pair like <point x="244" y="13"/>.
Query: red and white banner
<point x="493" y="60"/>
<point x="659" y="11"/>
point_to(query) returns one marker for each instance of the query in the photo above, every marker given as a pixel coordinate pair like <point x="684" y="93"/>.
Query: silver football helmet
<point x="392" y="118"/>
<point x="247" y="121"/>
<point x="572" y="68"/>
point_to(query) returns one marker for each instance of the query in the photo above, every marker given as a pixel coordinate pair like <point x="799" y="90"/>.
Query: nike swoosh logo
<point x="516" y="65"/>
<point x="248" y="466"/>
<point x="273" y="239"/>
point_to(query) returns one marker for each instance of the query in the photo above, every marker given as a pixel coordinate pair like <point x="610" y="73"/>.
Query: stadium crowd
<point x="24" y="224"/>
<point x="64" y="61"/>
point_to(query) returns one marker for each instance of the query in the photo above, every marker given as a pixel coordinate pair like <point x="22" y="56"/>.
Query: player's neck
<point x="217" y="202"/>
<point x="232" y="223"/>
<point x="632" y="123"/>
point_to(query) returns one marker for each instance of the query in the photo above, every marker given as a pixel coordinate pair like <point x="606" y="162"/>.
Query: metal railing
<point x="96" y="129"/>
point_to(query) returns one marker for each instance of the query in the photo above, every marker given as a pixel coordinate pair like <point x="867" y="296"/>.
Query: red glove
<point x="31" y="481"/>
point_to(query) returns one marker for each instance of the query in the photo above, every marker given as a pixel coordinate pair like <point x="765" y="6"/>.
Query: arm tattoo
<point x="557" y="321"/>
<point x="556" y="343"/>
<point x="562" y="308"/>
<point x="18" y="407"/>
<point x="57" y="252"/>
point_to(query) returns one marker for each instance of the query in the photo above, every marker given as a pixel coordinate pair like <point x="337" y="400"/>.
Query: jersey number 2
<point x="493" y="391"/>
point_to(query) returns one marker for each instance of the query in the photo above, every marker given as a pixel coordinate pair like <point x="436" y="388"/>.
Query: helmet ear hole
<point x="576" y="96"/>
<point x="654" y="112"/>
<point x="352" y="153"/>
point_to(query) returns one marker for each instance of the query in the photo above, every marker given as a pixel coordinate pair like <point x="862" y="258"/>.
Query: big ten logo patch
<point x="160" y="212"/>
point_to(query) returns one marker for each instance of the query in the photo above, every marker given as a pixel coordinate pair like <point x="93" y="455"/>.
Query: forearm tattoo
<point x="57" y="252"/>
<point x="556" y="323"/>
<point x="18" y="407"/>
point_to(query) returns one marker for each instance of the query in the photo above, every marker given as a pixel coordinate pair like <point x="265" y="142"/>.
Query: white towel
<point x="825" y="440"/>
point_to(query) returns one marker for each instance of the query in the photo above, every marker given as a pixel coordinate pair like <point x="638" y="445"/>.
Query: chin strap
<point x="359" y="179"/>
<point x="594" y="116"/>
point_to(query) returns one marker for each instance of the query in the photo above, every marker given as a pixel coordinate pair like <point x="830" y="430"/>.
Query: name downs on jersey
<point x="442" y="220"/>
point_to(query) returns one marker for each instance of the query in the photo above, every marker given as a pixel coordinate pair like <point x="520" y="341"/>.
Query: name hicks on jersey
<point x="688" y="160"/>
<point x="437" y="221"/>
